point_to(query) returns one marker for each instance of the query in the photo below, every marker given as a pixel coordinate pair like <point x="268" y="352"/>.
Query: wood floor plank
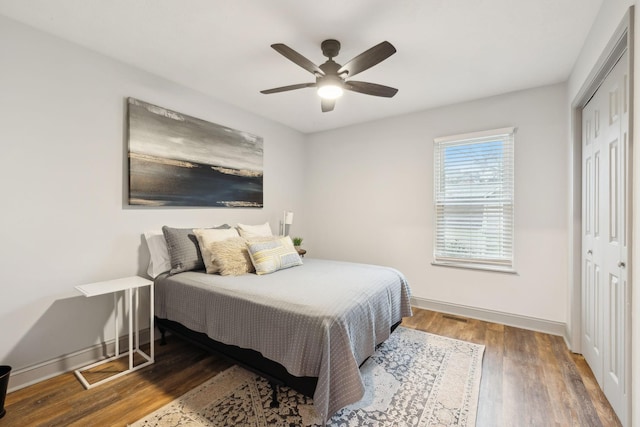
<point x="556" y="387"/>
<point x="595" y="395"/>
<point x="491" y="385"/>
<point x="528" y="379"/>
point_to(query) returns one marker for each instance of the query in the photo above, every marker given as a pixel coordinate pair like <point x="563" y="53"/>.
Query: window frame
<point x="507" y="136"/>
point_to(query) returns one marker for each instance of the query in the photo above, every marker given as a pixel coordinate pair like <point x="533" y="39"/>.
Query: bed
<point x="309" y="327"/>
<point x="247" y="294"/>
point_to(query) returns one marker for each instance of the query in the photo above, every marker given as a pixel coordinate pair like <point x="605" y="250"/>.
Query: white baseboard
<point x="566" y="334"/>
<point x="524" y="322"/>
<point x="25" y="377"/>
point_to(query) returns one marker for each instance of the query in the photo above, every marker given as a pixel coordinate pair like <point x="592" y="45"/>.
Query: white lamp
<point x="287" y="220"/>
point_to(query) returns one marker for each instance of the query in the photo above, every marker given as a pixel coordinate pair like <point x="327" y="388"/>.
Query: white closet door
<point x="605" y="291"/>
<point x="592" y="316"/>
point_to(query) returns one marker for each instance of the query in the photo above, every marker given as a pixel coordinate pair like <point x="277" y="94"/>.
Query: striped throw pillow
<point x="273" y="255"/>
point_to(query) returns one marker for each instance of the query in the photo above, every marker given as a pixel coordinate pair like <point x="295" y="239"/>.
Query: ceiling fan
<point x="331" y="77"/>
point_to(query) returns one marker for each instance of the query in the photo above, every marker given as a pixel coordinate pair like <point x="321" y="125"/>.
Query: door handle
<point x="622" y="264"/>
<point x="589" y="252"/>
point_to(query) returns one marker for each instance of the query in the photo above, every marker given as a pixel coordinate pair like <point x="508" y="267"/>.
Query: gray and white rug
<point x="414" y="379"/>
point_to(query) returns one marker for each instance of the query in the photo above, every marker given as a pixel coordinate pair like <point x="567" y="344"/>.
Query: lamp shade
<point x="288" y="218"/>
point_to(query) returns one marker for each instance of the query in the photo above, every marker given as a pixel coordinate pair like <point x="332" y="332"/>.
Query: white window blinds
<point x="473" y="199"/>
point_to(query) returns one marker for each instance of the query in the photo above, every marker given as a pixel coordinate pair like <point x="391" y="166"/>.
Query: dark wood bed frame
<point x="252" y="360"/>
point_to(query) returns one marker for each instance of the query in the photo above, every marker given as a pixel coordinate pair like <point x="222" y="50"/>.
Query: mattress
<point x="321" y="319"/>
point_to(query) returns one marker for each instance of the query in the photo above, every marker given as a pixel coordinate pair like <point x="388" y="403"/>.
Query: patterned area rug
<point x="413" y="379"/>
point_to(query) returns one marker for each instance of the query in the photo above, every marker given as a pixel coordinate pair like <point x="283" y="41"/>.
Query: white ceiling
<point x="448" y="51"/>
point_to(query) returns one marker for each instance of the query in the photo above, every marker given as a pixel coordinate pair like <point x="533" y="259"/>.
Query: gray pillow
<point x="183" y="248"/>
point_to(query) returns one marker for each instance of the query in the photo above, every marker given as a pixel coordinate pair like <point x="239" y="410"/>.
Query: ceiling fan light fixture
<point x="330" y="87"/>
<point x="330" y="91"/>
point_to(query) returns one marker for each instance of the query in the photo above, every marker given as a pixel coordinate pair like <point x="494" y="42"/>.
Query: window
<point x="473" y="200"/>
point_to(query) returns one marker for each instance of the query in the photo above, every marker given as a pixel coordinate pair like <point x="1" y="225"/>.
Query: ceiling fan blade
<point x="370" y="88"/>
<point x="286" y="88"/>
<point x="327" y="105"/>
<point x="368" y="59"/>
<point x="297" y="59"/>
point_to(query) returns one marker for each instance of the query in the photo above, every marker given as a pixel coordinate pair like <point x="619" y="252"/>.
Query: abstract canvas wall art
<point x="179" y="160"/>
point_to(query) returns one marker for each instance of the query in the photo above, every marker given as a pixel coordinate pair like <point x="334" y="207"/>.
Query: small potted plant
<point x="297" y="242"/>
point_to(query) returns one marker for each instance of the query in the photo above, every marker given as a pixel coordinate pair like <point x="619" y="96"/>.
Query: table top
<point x="110" y="286"/>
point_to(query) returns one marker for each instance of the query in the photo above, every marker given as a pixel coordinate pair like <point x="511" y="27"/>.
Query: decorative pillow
<point x="249" y="231"/>
<point x="159" y="260"/>
<point x="183" y="248"/>
<point x="231" y="257"/>
<point x="273" y="255"/>
<point x="206" y="236"/>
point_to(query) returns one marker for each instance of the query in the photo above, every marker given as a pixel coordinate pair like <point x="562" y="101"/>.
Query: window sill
<point x="488" y="268"/>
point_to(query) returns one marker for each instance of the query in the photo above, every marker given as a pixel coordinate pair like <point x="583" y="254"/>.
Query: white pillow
<point x="207" y="236"/>
<point x="159" y="260"/>
<point x="248" y="231"/>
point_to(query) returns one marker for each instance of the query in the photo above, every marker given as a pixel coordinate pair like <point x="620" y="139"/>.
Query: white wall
<point x="608" y="19"/>
<point x="369" y="193"/>
<point x="63" y="180"/>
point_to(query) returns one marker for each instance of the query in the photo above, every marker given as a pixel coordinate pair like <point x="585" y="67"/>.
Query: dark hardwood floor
<point x="528" y="379"/>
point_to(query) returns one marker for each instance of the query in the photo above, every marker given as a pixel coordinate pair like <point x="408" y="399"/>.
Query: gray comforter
<point x="321" y="319"/>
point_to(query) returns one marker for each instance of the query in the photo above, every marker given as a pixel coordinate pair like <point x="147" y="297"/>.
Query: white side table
<point x="128" y="285"/>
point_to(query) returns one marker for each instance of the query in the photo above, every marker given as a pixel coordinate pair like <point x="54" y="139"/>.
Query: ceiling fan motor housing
<point x="330" y="67"/>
